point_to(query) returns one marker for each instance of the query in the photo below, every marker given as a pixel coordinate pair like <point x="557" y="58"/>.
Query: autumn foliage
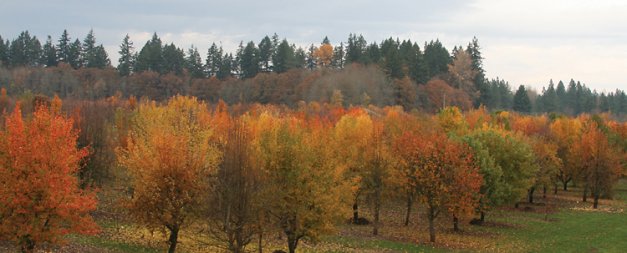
<point x="40" y="199"/>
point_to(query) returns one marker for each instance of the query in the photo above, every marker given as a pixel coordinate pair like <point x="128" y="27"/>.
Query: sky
<point x="523" y="42"/>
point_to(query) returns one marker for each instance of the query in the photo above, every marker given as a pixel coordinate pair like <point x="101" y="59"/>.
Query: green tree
<point x="4" y="52"/>
<point x="507" y="164"/>
<point x="437" y="58"/>
<point x="338" y="57"/>
<point x="266" y="50"/>
<point x="49" y="54"/>
<point x="214" y="60"/>
<point x="150" y="58"/>
<point x="284" y="59"/>
<point x="75" y="59"/>
<point x="94" y="56"/>
<point x="249" y="60"/>
<point x="127" y="57"/>
<point x="521" y="100"/>
<point x="226" y="67"/>
<point x="474" y="50"/>
<point x="193" y="63"/>
<point x="173" y="59"/>
<point x="64" y="47"/>
<point x="25" y="50"/>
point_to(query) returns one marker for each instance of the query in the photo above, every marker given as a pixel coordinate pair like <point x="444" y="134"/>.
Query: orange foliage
<point x="40" y="199"/>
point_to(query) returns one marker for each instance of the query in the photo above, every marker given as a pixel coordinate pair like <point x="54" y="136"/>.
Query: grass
<point x="573" y="227"/>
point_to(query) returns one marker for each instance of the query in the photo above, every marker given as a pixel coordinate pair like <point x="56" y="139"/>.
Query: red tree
<point x="40" y="199"/>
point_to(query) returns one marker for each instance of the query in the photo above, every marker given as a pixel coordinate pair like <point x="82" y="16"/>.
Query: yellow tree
<point x="565" y="132"/>
<point x="599" y="161"/>
<point x="351" y="136"/>
<point x="324" y="54"/>
<point x="304" y="190"/>
<point x="170" y="159"/>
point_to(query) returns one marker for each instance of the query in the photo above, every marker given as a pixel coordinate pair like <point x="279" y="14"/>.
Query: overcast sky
<point x="524" y="42"/>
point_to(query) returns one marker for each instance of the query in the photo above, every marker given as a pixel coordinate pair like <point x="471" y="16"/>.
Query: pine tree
<point x="266" y="51"/>
<point x="173" y="59"/>
<point x="127" y="57"/>
<point x="249" y="60"/>
<point x="194" y="64"/>
<point x="75" y="59"/>
<point x="477" y="63"/>
<point x="226" y="67"/>
<point x="521" y="100"/>
<point x="338" y="57"/>
<point x="284" y="59"/>
<point x="64" y="47"/>
<point x="25" y="50"/>
<point x="89" y="49"/>
<point x="150" y="57"/>
<point x="49" y="55"/>
<point x="437" y="58"/>
<point x="214" y="60"/>
<point x="4" y="52"/>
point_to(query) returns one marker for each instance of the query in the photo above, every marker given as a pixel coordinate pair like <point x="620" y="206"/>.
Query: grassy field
<point x="560" y="223"/>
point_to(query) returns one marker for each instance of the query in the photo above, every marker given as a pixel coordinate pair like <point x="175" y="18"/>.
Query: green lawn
<point x="566" y="230"/>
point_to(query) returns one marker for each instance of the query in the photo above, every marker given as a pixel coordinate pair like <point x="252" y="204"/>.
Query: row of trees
<point x="160" y="70"/>
<point x="27" y="50"/>
<point x="247" y="171"/>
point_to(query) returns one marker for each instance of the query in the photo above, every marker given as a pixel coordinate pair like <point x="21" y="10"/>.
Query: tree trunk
<point x="174" y="235"/>
<point x="565" y="182"/>
<point x="292" y="242"/>
<point x="530" y="194"/>
<point x="595" y="205"/>
<point x="260" y="241"/>
<point x="544" y="192"/>
<point x="377" y="209"/>
<point x="27" y="245"/>
<point x="431" y="225"/>
<point x="482" y="218"/>
<point x="455" y="224"/>
<point x="410" y="202"/>
<point x="355" y="213"/>
<point x="555" y="190"/>
<point x="585" y="193"/>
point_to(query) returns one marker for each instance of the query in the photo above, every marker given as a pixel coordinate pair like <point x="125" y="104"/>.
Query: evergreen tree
<point x="549" y="99"/>
<point x="64" y="47"/>
<point x="194" y="63"/>
<point x="214" y="60"/>
<point x="437" y="58"/>
<point x="477" y="64"/>
<point x="372" y="55"/>
<point x="150" y="57"/>
<point x="522" y="103"/>
<point x="101" y="59"/>
<point x="173" y="59"/>
<point x="89" y="49"/>
<point x="249" y="60"/>
<point x="560" y="92"/>
<point x="391" y="61"/>
<point x="284" y="59"/>
<point x="25" y="50"/>
<point x="355" y="49"/>
<point x="4" y="52"/>
<point x="265" y="53"/>
<point x="226" y="67"/>
<point x="338" y="57"/>
<point x="75" y="55"/>
<point x="127" y="57"/>
<point x="49" y="55"/>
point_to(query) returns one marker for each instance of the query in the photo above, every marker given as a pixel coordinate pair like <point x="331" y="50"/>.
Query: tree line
<point x="245" y="172"/>
<point x="275" y="71"/>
